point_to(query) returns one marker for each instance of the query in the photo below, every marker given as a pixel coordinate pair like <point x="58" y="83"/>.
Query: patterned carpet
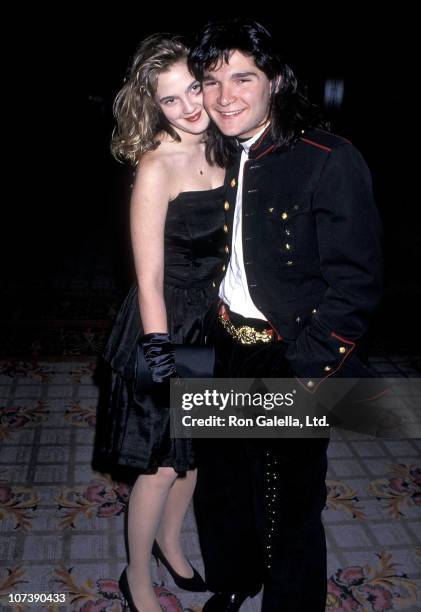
<point x="62" y="524"/>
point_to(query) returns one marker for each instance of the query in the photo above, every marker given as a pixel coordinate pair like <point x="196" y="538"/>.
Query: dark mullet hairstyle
<point x="290" y="110"/>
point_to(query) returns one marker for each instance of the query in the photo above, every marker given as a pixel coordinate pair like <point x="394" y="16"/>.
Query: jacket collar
<point x="264" y="144"/>
<point x="247" y="143"/>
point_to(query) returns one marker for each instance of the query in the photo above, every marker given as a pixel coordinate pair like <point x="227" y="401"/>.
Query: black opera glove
<point x="159" y="354"/>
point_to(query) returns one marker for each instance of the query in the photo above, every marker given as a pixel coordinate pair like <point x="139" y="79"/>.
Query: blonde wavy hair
<point x="138" y="116"/>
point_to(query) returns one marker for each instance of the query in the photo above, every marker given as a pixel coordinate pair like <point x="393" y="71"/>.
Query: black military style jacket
<point x="312" y="247"/>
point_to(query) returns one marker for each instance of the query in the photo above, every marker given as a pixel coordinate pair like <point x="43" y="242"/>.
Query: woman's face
<point x="179" y="96"/>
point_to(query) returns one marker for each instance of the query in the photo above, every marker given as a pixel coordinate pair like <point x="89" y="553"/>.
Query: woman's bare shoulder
<point x="158" y="171"/>
<point x="153" y="161"/>
<point x="167" y="163"/>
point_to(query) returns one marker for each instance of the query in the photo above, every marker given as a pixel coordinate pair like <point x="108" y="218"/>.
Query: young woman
<point x="177" y="217"/>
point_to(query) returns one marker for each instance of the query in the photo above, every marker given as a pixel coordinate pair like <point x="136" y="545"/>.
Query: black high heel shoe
<point x="123" y="584"/>
<point x="195" y="583"/>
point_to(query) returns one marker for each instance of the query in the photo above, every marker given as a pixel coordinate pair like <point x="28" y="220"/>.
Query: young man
<point x="303" y="272"/>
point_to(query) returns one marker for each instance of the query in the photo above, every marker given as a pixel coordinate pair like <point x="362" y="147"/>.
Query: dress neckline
<point x="197" y="191"/>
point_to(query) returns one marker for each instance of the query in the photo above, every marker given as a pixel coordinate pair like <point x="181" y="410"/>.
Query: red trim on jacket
<point x="314" y="389"/>
<point x="264" y="152"/>
<point x="316" y="144"/>
<point x="342" y="339"/>
<point x="259" y="140"/>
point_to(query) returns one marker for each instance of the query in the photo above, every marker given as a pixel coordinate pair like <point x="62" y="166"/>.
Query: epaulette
<point x="322" y="140"/>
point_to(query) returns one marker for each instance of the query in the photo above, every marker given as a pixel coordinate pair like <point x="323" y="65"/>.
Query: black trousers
<point x="259" y="502"/>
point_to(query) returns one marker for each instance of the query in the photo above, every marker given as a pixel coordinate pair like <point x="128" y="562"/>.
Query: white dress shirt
<point x="233" y="289"/>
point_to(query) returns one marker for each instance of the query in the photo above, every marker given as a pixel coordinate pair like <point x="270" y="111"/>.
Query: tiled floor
<point x="61" y="524"/>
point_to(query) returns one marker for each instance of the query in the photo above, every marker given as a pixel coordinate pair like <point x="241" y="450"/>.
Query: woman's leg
<point x="175" y="509"/>
<point x="146" y="504"/>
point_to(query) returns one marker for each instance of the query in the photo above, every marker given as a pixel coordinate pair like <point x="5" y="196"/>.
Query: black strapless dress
<point x="134" y="431"/>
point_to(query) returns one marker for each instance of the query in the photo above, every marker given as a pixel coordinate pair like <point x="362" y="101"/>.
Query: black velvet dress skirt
<point x="133" y="428"/>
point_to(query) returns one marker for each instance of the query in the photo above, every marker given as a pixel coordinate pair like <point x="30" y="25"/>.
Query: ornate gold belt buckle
<point x="245" y="334"/>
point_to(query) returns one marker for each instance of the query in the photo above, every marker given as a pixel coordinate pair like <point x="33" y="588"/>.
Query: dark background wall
<point x="69" y="195"/>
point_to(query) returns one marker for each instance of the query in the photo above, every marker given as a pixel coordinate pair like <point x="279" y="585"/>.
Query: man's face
<point x="236" y="95"/>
